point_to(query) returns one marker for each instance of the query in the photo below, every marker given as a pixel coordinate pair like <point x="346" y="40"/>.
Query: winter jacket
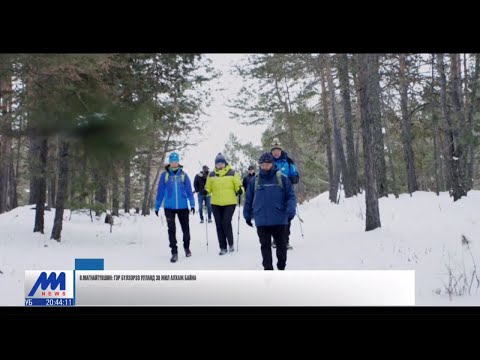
<point x="287" y="167"/>
<point x="270" y="204"/>
<point x="175" y="192"/>
<point x="223" y="185"/>
<point x="246" y="180"/>
<point x="200" y="181"/>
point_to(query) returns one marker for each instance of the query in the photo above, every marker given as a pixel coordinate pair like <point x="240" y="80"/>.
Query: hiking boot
<point x="231" y="248"/>
<point x="174" y="258"/>
<point x="222" y="251"/>
<point x="188" y="253"/>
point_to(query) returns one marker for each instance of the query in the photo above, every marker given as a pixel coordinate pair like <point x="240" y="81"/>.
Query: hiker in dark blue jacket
<point x="287" y="167"/>
<point x="174" y="189"/>
<point x="270" y="201"/>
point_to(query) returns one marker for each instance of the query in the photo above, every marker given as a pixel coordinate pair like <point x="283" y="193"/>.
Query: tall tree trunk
<point x="337" y="136"/>
<point x="406" y="127"/>
<point x="13" y="203"/>
<point x="347" y="111"/>
<point x="51" y="173"/>
<point x="390" y="159"/>
<point x="145" y="208"/>
<point x="435" y="130"/>
<point x="63" y="151"/>
<point x="379" y="147"/>
<point x="371" y="197"/>
<point x="459" y="125"/>
<point x="449" y="133"/>
<point x="327" y="139"/>
<point x="41" y="185"/>
<point x="127" y="184"/>
<point x="471" y="109"/>
<point x="358" y="126"/>
<point x="115" y="192"/>
<point x="4" y="172"/>
<point x="5" y="140"/>
<point x="17" y="169"/>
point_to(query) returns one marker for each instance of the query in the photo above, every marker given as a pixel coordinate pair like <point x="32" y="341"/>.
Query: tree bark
<point x="371" y="197"/>
<point x="379" y="147"/>
<point x="13" y="200"/>
<point x="61" y="191"/>
<point x="390" y="159"/>
<point x="347" y="111"/>
<point x="5" y="140"/>
<point x="358" y="122"/>
<point x="341" y="168"/>
<point x="471" y="109"/>
<point x="41" y="185"/>
<point x="5" y="144"/>
<point x="449" y="133"/>
<point x="406" y="127"/>
<point x="327" y="139"/>
<point x="459" y="126"/>
<point x="434" y="130"/>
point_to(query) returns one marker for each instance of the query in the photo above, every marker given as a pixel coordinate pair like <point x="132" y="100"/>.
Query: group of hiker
<point x="269" y="201"/>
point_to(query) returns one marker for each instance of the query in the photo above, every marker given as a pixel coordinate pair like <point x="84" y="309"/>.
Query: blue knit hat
<point x="266" y="158"/>
<point x="174" y="157"/>
<point x="220" y="159"/>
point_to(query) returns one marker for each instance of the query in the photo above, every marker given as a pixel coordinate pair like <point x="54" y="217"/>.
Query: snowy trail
<point x="422" y="232"/>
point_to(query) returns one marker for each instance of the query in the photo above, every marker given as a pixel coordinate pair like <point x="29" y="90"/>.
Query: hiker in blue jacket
<point x="287" y="167"/>
<point x="174" y="188"/>
<point x="270" y="201"/>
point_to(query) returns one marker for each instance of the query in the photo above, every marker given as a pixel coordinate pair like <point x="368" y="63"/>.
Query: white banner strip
<point x="246" y="288"/>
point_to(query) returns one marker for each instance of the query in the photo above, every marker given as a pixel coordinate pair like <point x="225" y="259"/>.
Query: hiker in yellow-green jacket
<point x="225" y="186"/>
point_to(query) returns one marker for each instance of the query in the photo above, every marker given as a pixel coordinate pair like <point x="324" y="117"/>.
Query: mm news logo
<point x="49" y="287"/>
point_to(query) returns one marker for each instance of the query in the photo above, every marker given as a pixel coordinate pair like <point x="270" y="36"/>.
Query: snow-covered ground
<point x="423" y="232"/>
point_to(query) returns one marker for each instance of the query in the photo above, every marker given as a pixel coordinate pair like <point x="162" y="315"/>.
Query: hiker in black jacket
<point x="199" y="186"/>
<point x="248" y="177"/>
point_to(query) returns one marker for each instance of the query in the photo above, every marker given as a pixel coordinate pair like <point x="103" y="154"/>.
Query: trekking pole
<point x="300" y="221"/>
<point x="206" y="232"/>
<point x="238" y="228"/>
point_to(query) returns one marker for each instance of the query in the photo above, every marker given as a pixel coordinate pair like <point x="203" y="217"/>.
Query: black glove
<point x="192" y="211"/>
<point x="249" y="223"/>
<point x="156" y="212"/>
<point x="239" y="192"/>
<point x="204" y="192"/>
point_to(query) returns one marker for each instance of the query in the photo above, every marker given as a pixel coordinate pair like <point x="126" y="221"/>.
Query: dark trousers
<point x="223" y="221"/>
<point x="183" y="217"/>
<point x="201" y="199"/>
<point x="279" y="233"/>
<point x="287" y="230"/>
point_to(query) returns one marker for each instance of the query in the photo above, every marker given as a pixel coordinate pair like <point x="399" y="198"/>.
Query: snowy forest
<point x="90" y="132"/>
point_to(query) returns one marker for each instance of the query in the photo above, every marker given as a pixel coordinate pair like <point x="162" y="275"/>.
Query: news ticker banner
<point x="98" y="287"/>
